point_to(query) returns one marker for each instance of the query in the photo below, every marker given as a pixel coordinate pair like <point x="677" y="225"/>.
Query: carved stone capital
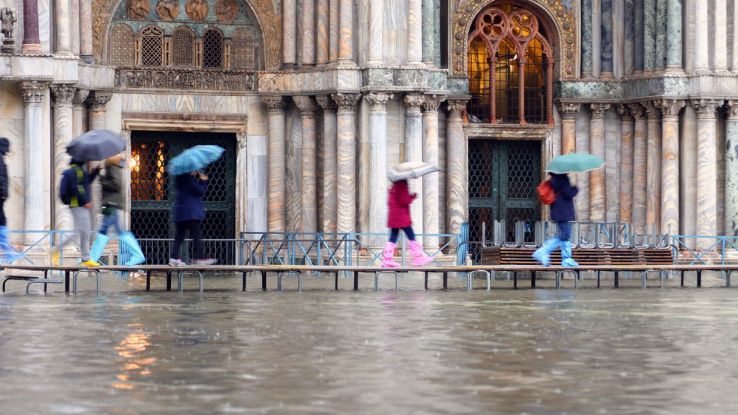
<point x="97" y="100"/>
<point x="80" y="96"/>
<point x="243" y="141"/>
<point x="706" y="108"/>
<point x="413" y="103"/>
<point x="624" y="112"/>
<point x="456" y="106"/>
<point x="326" y="103"/>
<point x="637" y="111"/>
<point x="432" y="102"/>
<point x="34" y="91"/>
<point x="598" y="109"/>
<point x="274" y="102"/>
<point x="306" y="105"/>
<point x="731" y="107"/>
<point x="346" y="101"/>
<point x="63" y="94"/>
<point x="652" y="111"/>
<point x="670" y="107"/>
<point x="569" y="110"/>
<point x="378" y="101"/>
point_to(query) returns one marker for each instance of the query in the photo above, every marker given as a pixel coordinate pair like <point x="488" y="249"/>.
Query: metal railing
<point x="36" y="245"/>
<point x="720" y="249"/>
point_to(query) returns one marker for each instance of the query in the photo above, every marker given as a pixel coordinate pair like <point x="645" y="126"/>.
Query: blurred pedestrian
<point x="562" y="212"/>
<point x="189" y="212"/>
<point x="398" y="218"/>
<point x="74" y="191"/>
<point x="7" y="252"/>
<point x="112" y="204"/>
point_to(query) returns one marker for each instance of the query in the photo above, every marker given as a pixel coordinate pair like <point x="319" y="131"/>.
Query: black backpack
<point x="66" y="188"/>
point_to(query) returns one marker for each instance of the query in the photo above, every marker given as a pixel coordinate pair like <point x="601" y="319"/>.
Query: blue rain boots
<point x="7" y="252"/>
<point x="101" y="241"/>
<point x="566" y="259"/>
<point x="130" y="246"/>
<point x="543" y="254"/>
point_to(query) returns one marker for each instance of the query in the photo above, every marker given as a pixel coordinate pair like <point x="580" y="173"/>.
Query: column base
<point x="607" y="76"/>
<point x="346" y="64"/>
<point x="31" y="49"/>
<point x="88" y="59"/>
<point x="288" y="66"/>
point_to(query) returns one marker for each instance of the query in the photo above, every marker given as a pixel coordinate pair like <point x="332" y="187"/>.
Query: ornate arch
<point x="267" y="15"/>
<point x="562" y="35"/>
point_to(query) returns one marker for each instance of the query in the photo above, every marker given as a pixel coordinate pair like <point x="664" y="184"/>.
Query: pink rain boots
<point x="419" y="256"/>
<point x="387" y="254"/>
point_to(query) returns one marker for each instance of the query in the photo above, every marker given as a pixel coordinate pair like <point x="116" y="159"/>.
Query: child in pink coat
<point x="398" y="217"/>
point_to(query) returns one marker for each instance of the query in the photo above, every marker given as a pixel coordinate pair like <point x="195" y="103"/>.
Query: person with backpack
<point x="74" y="191"/>
<point x="111" y="183"/>
<point x="559" y="193"/>
<point x="189" y="212"/>
<point x="7" y="252"/>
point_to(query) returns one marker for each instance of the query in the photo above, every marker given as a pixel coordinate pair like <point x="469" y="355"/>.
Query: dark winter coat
<point x="562" y="209"/>
<point x="112" y="187"/>
<point x="87" y="178"/>
<point x="4" y="149"/>
<point x="188" y="202"/>
<point x="399" y="205"/>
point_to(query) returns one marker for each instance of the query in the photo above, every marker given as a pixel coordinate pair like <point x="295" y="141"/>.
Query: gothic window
<point x="244" y="50"/>
<point x="120" y="46"/>
<point x="151" y="46"/>
<point x="510" y="68"/>
<point x="183" y="47"/>
<point x="212" y="49"/>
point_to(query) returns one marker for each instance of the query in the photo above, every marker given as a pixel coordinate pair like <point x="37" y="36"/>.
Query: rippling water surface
<point x="627" y="351"/>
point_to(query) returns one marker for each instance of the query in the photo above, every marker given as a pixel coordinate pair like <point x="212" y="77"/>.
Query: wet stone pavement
<point x="543" y="351"/>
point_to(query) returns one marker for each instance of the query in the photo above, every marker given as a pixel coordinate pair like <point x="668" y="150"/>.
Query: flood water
<point x="543" y="351"/>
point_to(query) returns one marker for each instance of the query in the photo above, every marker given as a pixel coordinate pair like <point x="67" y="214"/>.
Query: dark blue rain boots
<point x="130" y="246"/>
<point x="566" y="259"/>
<point x="543" y="254"/>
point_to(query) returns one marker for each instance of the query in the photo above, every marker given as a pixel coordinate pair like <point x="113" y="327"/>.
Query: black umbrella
<point x="95" y="145"/>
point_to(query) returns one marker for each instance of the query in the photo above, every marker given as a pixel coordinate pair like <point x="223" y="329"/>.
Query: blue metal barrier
<point x="720" y="246"/>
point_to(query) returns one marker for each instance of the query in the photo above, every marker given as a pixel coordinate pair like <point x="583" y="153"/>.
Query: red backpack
<point x="546" y="192"/>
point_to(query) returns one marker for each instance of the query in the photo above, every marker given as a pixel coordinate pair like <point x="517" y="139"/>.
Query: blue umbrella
<point x="194" y="159"/>
<point x="96" y="145"/>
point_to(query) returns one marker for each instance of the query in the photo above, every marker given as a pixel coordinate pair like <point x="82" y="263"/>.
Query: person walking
<point x="74" y="191"/>
<point x="112" y="203"/>
<point x="562" y="212"/>
<point x="399" y="201"/>
<point x="7" y="252"/>
<point x="189" y="212"/>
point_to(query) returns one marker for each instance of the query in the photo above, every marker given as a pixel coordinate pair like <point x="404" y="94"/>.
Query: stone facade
<point x="339" y="90"/>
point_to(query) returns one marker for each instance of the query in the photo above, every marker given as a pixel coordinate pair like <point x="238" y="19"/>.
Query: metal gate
<point x="152" y="193"/>
<point x="502" y="179"/>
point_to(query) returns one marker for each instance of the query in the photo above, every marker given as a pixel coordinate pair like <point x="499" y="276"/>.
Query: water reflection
<point x="132" y="350"/>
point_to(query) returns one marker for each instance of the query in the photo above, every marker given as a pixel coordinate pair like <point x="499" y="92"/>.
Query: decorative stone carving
<point x="197" y="9"/>
<point x="306" y="106"/>
<point x="652" y="112"/>
<point x="705" y="107"/>
<point x="456" y="106"/>
<point x="598" y="110"/>
<point x="345" y="101"/>
<point x="80" y="97"/>
<point x="636" y="111"/>
<point x="34" y="91"/>
<point x="413" y="103"/>
<point x="226" y="10"/>
<point x="731" y="107"/>
<point x="623" y="111"/>
<point x="274" y="102"/>
<point x="168" y="78"/>
<point x="378" y="101"/>
<point x="63" y="94"/>
<point x="167" y="9"/>
<point x="139" y="9"/>
<point x="8" y="19"/>
<point x="564" y="19"/>
<point x="326" y="103"/>
<point x="568" y="109"/>
<point x="670" y="107"/>
<point x="431" y="102"/>
<point x="97" y="100"/>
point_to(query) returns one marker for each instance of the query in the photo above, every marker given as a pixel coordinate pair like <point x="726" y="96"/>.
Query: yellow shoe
<point x="55" y="258"/>
<point x="90" y="263"/>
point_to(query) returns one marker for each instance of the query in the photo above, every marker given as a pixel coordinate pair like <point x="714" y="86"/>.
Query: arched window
<point x="505" y="42"/>
<point x="183" y="47"/>
<point x="151" y="46"/>
<point x="121" y="51"/>
<point x="212" y="46"/>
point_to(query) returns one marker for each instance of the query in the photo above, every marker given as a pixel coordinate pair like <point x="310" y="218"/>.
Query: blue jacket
<point x="562" y="209"/>
<point x="70" y="174"/>
<point x="188" y="202"/>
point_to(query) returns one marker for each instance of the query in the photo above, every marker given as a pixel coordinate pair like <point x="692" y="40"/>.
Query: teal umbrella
<point x="194" y="159"/>
<point x="575" y="163"/>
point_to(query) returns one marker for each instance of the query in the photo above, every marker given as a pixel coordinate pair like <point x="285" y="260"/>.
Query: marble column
<point x="242" y="184"/>
<point x="568" y="111"/>
<point x="414" y="152"/>
<point x="596" y="37"/>
<point x="75" y="26"/>
<point x="97" y="116"/>
<point x="62" y="28"/>
<point x="277" y="162"/>
<point x="674" y="35"/>
<point x="376" y="30"/>
<point x="346" y="161"/>
<point x="415" y="32"/>
<point x="688" y="173"/>
<point x="653" y="163"/>
<point x="720" y="42"/>
<point x="661" y="23"/>
<point x="702" y="48"/>
<point x="377" y="163"/>
<point x="706" y="169"/>
<point x="33" y="96"/>
<point x="346" y="36"/>
<point x="649" y="35"/>
<point x="431" y="207"/>
<point x="309" y="182"/>
<point x="731" y="169"/>
<point x="307" y="32"/>
<point x="31" y="42"/>
<point x="586" y="38"/>
<point x="79" y="115"/>
<point x="323" y="32"/>
<point x="333" y="32"/>
<point x="457" y="196"/>
<point x="606" y="41"/>
<point x="670" y="166"/>
<point x="629" y="38"/>
<point x="289" y="33"/>
<point x="63" y="95"/>
<point x="640" y="168"/>
<point x="429" y="32"/>
<point x="639" y="45"/>
<point x="328" y="186"/>
<point x="734" y="45"/>
<point x="597" y="177"/>
<point x="627" y="126"/>
<point x="85" y="30"/>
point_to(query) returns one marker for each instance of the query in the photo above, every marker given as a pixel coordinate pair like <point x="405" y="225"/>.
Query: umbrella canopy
<point x="575" y="163"/>
<point x="194" y="158"/>
<point x="410" y="170"/>
<point x="96" y="145"/>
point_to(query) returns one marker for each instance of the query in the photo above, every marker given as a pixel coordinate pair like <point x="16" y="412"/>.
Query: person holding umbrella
<point x="189" y="211"/>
